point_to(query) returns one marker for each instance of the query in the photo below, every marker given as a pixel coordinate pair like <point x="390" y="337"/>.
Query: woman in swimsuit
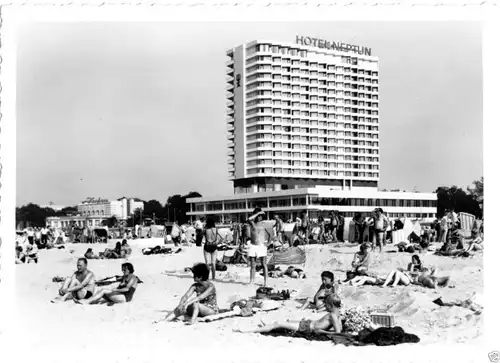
<point x="123" y="293"/>
<point x="205" y="301"/>
<point x="210" y="247"/>
<point x="322" y="325"/>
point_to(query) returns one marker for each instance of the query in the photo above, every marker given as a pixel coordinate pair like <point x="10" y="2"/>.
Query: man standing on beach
<point x="80" y="285"/>
<point x="258" y="245"/>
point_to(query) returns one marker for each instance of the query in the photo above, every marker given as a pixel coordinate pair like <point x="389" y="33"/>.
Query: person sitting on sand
<point x="113" y="253"/>
<point x="31" y="252"/>
<point x="20" y="256"/>
<point x="126" y="250"/>
<point x="362" y="259"/>
<point x="427" y="278"/>
<point x="477" y="243"/>
<point x="327" y="287"/>
<point x="322" y="325"/>
<point x="80" y="285"/>
<point x="89" y="255"/>
<point x="124" y="292"/>
<point x="205" y="301"/>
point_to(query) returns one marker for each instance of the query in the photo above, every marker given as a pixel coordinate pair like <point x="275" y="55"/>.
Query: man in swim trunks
<point x="322" y="325"/>
<point x="80" y="285"/>
<point x="124" y="292"/>
<point x="258" y="246"/>
<point x="379" y="226"/>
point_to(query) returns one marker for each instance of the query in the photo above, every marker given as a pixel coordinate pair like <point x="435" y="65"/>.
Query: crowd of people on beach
<point x="254" y="241"/>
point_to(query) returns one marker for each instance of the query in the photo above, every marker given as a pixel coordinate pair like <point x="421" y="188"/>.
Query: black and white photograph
<point x="272" y="189"/>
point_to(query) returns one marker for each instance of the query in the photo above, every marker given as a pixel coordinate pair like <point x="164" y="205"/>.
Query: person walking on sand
<point x="258" y="246"/>
<point x="80" y="285"/>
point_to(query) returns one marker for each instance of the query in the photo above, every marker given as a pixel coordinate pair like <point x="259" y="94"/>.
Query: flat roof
<point x="325" y="192"/>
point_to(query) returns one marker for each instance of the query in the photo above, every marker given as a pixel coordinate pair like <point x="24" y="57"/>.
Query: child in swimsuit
<point x="205" y="301"/>
<point x="322" y="325"/>
<point x="327" y="287"/>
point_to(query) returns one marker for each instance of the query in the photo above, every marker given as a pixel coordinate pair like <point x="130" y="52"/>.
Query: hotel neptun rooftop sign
<point x="326" y="44"/>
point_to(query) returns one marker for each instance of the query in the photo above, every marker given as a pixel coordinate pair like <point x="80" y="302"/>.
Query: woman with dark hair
<point x="210" y="247"/>
<point x="124" y="292"/>
<point x="205" y="301"/>
<point x="89" y="255"/>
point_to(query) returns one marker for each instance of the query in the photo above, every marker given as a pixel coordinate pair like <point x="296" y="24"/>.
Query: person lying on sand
<point x="327" y="287"/>
<point x="80" y="285"/>
<point x="426" y="278"/>
<point x="360" y="280"/>
<point x="362" y="259"/>
<point x="123" y="293"/>
<point x="205" y="301"/>
<point x="89" y="255"/>
<point x="322" y="325"/>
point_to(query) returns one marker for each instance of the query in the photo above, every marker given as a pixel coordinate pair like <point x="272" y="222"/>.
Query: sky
<point x="138" y="109"/>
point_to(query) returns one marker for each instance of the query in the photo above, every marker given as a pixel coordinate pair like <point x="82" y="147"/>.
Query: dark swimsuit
<point x="130" y="293"/>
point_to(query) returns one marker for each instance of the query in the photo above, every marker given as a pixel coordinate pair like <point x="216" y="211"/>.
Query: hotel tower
<point x="300" y="115"/>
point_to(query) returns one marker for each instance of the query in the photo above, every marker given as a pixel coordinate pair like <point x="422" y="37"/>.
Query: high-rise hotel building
<point x="303" y="134"/>
<point x="301" y="115"/>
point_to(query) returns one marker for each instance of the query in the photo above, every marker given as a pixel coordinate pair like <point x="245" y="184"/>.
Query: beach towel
<point x="291" y="256"/>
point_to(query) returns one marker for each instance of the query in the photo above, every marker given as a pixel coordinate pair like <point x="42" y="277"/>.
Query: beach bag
<point x="220" y="266"/>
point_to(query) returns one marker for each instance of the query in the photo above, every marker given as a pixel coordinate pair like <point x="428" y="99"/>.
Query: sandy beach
<point x="56" y="331"/>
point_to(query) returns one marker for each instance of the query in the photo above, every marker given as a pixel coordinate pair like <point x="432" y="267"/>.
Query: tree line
<point x="175" y="207"/>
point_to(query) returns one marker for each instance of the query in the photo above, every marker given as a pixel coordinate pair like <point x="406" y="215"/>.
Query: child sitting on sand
<point x="327" y="287"/>
<point x="322" y="325"/>
<point x="361" y="261"/>
<point x="205" y="301"/>
<point x="477" y="242"/>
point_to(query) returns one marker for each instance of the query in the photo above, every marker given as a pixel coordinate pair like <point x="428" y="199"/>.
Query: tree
<point x="153" y="208"/>
<point x="67" y="211"/>
<point x="176" y="207"/>
<point x="456" y="198"/>
<point x="33" y="215"/>
<point x="110" y="222"/>
<point x="476" y="191"/>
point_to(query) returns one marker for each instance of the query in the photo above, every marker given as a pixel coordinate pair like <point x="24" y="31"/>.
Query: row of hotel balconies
<point x="320" y="124"/>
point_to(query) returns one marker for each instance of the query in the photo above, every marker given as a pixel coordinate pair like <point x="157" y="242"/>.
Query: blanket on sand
<point x="381" y="336"/>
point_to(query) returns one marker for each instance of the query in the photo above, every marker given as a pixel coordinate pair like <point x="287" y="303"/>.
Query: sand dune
<point x="127" y="330"/>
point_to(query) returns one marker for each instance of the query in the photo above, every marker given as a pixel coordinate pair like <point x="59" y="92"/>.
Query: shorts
<point x="305" y="326"/>
<point x="176" y="240"/>
<point x="257" y="251"/>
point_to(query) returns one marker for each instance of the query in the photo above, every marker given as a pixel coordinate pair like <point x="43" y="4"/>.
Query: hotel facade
<point x="303" y="133"/>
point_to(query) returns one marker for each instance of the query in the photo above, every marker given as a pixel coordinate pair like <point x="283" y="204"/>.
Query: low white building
<point x="318" y="200"/>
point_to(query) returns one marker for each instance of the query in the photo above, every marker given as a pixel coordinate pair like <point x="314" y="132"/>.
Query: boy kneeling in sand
<point x="322" y="325"/>
<point x="327" y="287"/>
<point x="205" y="301"/>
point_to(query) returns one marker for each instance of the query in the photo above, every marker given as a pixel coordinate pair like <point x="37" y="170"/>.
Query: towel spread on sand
<point x="291" y="256"/>
<point x="380" y="337"/>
